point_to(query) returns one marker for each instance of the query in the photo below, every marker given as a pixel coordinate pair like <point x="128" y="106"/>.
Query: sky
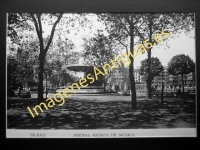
<point x="183" y="44"/>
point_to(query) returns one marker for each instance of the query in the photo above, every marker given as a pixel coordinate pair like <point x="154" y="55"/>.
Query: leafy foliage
<point x="154" y="23"/>
<point x="156" y="67"/>
<point x="99" y="47"/>
<point x="153" y="26"/>
<point x="122" y="29"/>
<point x="19" y="71"/>
<point x="181" y="64"/>
<point x="99" y="50"/>
<point x="11" y="70"/>
<point x="15" y="22"/>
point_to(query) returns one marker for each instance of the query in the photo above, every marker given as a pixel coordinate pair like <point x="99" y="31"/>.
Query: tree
<point x="19" y="69"/>
<point x="156" y="68"/>
<point x="11" y="71"/>
<point x="58" y="54"/>
<point x="23" y="64"/>
<point x="153" y="31"/>
<point x="54" y="19"/>
<point x="15" y="22"/>
<point x="36" y="19"/>
<point x="24" y="67"/>
<point x="101" y="48"/>
<point x="22" y="46"/>
<point x="121" y="27"/>
<point x="180" y="65"/>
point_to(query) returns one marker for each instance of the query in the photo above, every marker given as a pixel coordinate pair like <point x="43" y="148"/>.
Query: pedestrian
<point x="19" y="91"/>
<point x="179" y="92"/>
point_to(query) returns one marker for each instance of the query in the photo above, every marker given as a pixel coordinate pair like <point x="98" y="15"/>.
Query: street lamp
<point x="162" y="86"/>
<point x="46" y="84"/>
<point x="65" y="54"/>
<point x="140" y="72"/>
<point x="162" y="89"/>
<point x="141" y="77"/>
<point x="65" y="77"/>
<point x="121" y="84"/>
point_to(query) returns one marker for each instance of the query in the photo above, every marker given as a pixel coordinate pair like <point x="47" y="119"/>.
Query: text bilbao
<point x="123" y="59"/>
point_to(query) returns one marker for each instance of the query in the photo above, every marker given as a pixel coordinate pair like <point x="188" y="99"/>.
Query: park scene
<point x="112" y="70"/>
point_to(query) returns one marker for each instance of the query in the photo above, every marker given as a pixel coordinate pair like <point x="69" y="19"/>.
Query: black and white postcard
<point x="100" y="75"/>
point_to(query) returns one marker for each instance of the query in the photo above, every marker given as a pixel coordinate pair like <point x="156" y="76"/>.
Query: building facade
<point x="173" y="83"/>
<point x="170" y="83"/>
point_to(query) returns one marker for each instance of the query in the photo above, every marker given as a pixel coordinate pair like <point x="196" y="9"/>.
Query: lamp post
<point x="46" y="84"/>
<point x="139" y="80"/>
<point x="162" y="86"/>
<point x="121" y="85"/>
<point x="65" y="80"/>
<point x="162" y="89"/>
<point x="65" y="56"/>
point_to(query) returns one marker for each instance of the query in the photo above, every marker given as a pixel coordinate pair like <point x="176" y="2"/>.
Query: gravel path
<point x="103" y="112"/>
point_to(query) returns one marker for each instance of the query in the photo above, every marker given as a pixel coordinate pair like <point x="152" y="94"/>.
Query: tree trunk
<point x="38" y="26"/>
<point x="22" y="85"/>
<point x="65" y="81"/>
<point x="40" y="75"/>
<point x="162" y="91"/>
<point x="32" y="81"/>
<point x="104" y="87"/>
<point x="182" y="85"/>
<point x="131" y="69"/>
<point x="149" y="79"/>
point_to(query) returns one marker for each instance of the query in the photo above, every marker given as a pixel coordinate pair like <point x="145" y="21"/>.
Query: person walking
<point x="179" y="92"/>
<point x="19" y="91"/>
